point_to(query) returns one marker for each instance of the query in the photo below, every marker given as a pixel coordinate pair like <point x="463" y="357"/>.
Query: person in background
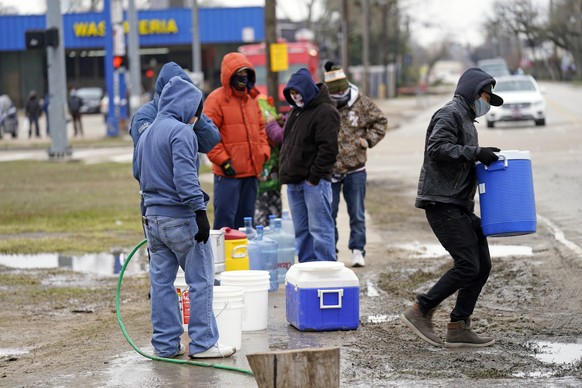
<point x="269" y="195"/>
<point x="75" y="102"/>
<point x="33" y="110"/>
<point x="176" y="225"/>
<point x="363" y="125"/>
<point x="237" y="161"/>
<point x="446" y="191"/>
<point x="306" y="160"/>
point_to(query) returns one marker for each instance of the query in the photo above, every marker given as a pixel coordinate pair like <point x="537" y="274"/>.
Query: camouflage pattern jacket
<point x="360" y="118"/>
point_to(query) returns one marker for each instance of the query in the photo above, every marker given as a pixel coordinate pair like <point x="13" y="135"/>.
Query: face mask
<point x="298" y="100"/>
<point x="240" y="82"/>
<point x="342" y="98"/>
<point x="481" y="107"/>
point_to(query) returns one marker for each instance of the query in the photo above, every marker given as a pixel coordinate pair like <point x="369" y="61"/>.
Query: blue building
<point x="164" y="35"/>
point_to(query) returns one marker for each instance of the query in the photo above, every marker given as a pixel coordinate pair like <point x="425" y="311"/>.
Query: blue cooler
<point x="322" y="295"/>
<point x="506" y="195"/>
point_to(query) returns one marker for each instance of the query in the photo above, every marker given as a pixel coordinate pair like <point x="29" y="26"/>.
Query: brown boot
<point x="459" y="334"/>
<point x="421" y="324"/>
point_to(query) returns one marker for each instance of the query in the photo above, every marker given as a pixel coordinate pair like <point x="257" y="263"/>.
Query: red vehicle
<point x="300" y="54"/>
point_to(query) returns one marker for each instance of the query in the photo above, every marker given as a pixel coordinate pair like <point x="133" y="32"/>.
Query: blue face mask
<point x="481" y="107"/>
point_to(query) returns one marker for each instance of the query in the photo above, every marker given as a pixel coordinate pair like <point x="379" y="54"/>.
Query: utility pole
<point x="270" y="38"/>
<point x="57" y="83"/>
<point x="366" y="41"/>
<point x="134" y="59"/>
<point x="345" y="31"/>
<point x="196" y="49"/>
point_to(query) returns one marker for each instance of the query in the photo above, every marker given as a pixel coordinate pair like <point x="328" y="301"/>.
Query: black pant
<point x="460" y="233"/>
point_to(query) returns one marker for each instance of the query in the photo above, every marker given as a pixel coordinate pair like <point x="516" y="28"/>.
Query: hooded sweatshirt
<point x="451" y="146"/>
<point x="205" y="130"/>
<point x="240" y="121"/>
<point x="310" y="145"/>
<point x="166" y="155"/>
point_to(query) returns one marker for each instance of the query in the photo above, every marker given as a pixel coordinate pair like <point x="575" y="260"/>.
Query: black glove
<point x="486" y="155"/>
<point x="203" y="227"/>
<point x="227" y="168"/>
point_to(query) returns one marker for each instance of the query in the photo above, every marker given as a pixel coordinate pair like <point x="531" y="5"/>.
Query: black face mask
<point x="239" y="82"/>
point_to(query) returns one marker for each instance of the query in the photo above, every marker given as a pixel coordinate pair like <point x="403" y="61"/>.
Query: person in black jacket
<point x="306" y="160"/>
<point x="33" y="110"/>
<point x="446" y="192"/>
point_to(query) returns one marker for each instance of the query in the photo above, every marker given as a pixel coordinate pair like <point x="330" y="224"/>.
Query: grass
<point x="68" y="207"/>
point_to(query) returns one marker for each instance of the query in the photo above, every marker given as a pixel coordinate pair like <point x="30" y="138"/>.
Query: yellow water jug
<point x="236" y="255"/>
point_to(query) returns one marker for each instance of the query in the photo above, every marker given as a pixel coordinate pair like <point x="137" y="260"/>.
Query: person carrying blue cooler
<point x="446" y="191"/>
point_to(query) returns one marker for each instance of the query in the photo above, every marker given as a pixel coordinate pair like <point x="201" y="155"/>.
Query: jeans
<point x="460" y="233"/>
<point x="354" y="190"/>
<point x="311" y="212"/>
<point x="234" y="199"/>
<point x="171" y="244"/>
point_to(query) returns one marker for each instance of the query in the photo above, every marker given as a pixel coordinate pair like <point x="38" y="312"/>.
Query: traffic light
<point x="118" y="61"/>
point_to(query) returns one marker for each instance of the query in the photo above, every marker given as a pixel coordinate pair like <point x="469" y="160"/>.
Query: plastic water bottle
<point x="248" y="228"/>
<point x="268" y="249"/>
<point x="255" y="255"/>
<point x="271" y="226"/>
<point x="286" y="251"/>
<point x="287" y="223"/>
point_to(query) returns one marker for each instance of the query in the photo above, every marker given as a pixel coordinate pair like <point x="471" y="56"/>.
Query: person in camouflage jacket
<point x="363" y="125"/>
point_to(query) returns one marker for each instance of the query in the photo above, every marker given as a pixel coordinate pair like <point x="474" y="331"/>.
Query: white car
<point x="522" y="100"/>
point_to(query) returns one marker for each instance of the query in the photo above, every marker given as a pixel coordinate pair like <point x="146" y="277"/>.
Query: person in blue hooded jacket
<point x="176" y="224"/>
<point x="446" y="191"/>
<point x="306" y="160"/>
<point x="206" y="132"/>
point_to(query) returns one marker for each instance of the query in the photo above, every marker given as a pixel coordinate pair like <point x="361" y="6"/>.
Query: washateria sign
<point x="145" y="27"/>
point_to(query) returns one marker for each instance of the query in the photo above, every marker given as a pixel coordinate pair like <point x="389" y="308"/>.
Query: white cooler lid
<point x="321" y="274"/>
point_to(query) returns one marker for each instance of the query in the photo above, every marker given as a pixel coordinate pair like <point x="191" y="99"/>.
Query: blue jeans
<point x="354" y="190"/>
<point x="460" y="233"/>
<point x="311" y="211"/>
<point x="234" y="199"/>
<point x="171" y="244"/>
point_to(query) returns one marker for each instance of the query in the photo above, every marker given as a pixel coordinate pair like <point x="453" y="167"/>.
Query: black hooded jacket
<point x="309" y="148"/>
<point x="448" y="171"/>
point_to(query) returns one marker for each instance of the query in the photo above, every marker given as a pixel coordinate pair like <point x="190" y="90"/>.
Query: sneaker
<point x="216" y="351"/>
<point x="358" y="258"/>
<point x="421" y="324"/>
<point x="459" y="334"/>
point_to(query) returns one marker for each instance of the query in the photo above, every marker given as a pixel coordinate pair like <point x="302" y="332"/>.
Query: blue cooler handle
<point x="497" y="166"/>
<point x="340" y="294"/>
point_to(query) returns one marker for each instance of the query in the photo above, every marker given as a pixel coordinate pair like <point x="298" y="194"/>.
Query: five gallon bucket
<point x="506" y="195"/>
<point x="256" y="296"/>
<point x="228" y="302"/>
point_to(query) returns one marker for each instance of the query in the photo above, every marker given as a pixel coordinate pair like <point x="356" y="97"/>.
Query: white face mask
<point x="298" y="100"/>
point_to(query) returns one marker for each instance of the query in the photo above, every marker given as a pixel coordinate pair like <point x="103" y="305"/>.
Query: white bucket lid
<point x="245" y="274"/>
<point x="214" y="232"/>
<point x="320" y="266"/>
<point x="514" y="154"/>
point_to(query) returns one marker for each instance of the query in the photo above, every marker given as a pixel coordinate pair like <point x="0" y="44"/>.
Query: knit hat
<point x="335" y="78"/>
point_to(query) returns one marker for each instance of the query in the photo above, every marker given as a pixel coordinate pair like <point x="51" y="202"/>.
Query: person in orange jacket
<point x="238" y="159"/>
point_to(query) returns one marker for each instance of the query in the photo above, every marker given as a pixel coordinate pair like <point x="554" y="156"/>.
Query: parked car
<point x="8" y="117"/>
<point x="495" y="67"/>
<point x="91" y="99"/>
<point x="522" y="100"/>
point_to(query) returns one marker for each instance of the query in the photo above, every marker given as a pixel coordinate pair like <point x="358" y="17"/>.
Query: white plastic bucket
<point x="217" y="246"/>
<point x="228" y="302"/>
<point x="256" y="296"/>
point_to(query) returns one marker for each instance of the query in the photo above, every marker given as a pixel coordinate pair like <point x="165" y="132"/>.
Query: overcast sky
<point x="431" y="20"/>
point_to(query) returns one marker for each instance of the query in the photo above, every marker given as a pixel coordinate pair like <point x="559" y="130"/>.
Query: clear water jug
<point x="263" y="256"/>
<point x="286" y="251"/>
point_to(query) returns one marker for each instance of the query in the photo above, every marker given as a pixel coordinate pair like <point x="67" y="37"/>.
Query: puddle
<point x="428" y="251"/>
<point x="557" y="353"/>
<point x="7" y="352"/>
<point x="98" y="264"/>
<point x="381" y="318"/>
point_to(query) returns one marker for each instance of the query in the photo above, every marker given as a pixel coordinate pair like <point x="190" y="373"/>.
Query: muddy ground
<point x="67" y="323"/>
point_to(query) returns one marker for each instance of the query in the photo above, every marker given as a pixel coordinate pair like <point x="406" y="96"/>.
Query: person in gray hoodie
<point x="446" y="191"/>
<point x="176" y="224"/>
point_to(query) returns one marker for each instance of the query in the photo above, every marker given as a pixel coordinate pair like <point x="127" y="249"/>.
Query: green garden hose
<point x="155" y="358"/>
